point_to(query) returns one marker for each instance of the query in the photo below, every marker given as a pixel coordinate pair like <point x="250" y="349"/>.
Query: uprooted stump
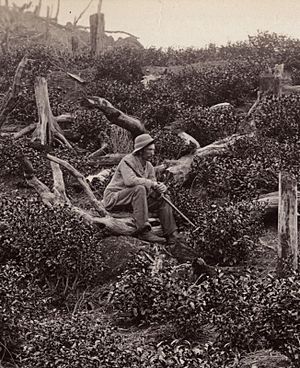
<point x="47" y="130"/>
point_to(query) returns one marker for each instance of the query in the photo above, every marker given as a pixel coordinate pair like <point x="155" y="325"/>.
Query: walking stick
<point x="178" y="211"/>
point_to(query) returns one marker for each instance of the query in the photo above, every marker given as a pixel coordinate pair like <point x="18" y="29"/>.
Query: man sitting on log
<point x="134" y="183"/>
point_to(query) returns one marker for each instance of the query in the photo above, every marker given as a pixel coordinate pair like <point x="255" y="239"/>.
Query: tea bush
<point x="279" y="118"/>
<point x="227" y="230"/>
<point x="20" y="298"/>
<point x="54" y="245"/>
<point x="250" y="314"/>
<point x="249" y="168"/>
<point x="142" y="296"/>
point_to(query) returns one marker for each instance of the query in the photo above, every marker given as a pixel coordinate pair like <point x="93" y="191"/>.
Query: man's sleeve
<point x="151" y="174"/>
<point x="130" y="177"/>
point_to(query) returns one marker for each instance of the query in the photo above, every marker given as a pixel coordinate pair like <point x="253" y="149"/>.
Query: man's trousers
<point x="142" y="203"/>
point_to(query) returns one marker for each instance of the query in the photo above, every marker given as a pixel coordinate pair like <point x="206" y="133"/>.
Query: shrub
<point x="207" y="126"/>
<point x="279" y="323"/>
<point x="249" y="168"/>
<point x="54" y="245"/>
<point x="168" y="145"/>
<point x="144" y="296"/>
<point x="252" y="314"/>
<point x="279" y="118"/>
<point x="20" y="298"/>
<point x="92" y="129"/>
<point x="122" y="64"/>
<point x="227" y="231"/>
<point x="78" y="341"/>
<point x="86" y="340"/>
<point x="11" y="152"/>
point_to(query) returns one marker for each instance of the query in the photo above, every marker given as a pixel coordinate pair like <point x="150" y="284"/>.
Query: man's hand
<point x="160" y="187"/>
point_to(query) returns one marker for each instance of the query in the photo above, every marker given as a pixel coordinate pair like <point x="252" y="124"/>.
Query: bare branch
<point x="81" y="179"/>
<point x="82" y="13"/>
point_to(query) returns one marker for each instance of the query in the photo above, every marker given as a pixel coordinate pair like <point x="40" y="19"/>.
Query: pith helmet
<point x="141" y="141"/>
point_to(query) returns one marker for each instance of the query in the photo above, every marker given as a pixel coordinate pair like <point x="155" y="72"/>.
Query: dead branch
<point x="64" y="118"/>
<point x="37" y="9"/>
<point x="25" y="131"/>
<point x="110" y="159"/>
<point x="81" y="179"/>
<point x="270" y="201"/>
<point x="115" y="116"/>
<point x="180" y="168"/>
<point x="59" y="188"/>
<point x="99" y="151"/>
<point x="58" y="197"/>
<point x="254" y="106"/>
<point x="48" y="198"/>
<point x="101" y="176"/>
<point x="126" y="33"/>
<point x="82" y="13"/>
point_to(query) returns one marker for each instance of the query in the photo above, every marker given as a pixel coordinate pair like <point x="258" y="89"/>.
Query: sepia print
<point x="149" y="172"/>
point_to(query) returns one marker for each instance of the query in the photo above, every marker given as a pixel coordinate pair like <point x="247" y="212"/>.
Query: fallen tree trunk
<point x="115" y="116"/>
<point x="271" y="200"/>
<point x="12" y="96"/>
<point x="58" y="197"/>
<point x="180" y="168"/>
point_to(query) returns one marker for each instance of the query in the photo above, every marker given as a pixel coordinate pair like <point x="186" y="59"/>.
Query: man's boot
<point x="150" y="237"/>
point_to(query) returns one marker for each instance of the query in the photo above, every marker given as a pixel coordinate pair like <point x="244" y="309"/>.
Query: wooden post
<point x="37" y="9"/>
<point x="287" y="225"/>
<point x="47" y="24"/>
<point x="97" y="33"/>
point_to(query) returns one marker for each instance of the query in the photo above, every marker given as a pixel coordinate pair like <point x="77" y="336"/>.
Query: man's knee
<point x="140" y="190"/>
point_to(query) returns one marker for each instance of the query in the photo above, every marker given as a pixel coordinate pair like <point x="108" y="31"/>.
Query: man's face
<point x="148" y="152"/>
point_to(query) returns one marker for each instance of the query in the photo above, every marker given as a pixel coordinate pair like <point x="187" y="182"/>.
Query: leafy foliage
<point x="67" y="256"/>
<point x="53" y="245"/>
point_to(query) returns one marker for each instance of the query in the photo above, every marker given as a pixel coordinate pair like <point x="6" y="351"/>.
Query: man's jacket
<point x="129" y="173"/>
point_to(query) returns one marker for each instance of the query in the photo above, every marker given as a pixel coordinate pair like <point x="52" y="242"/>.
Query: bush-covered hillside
<point x="73" y="295"/>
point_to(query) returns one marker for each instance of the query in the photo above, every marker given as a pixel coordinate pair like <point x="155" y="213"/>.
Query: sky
<point x="186" y="23"/>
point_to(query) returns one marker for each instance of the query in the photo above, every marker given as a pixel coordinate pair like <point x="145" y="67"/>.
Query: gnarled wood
<point x="101" y="176"/>
<point x="99" y="151"/>
<point x="65" y="118"/>
<point x="58" y="197"/>
<point x="81" y="179"/>
<point x="25" y="131"/>
<point x="47" y="129"/>
<point x="115" y="116"/>
<point x="270" y="201"/>
<point x="180" y="168"/>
